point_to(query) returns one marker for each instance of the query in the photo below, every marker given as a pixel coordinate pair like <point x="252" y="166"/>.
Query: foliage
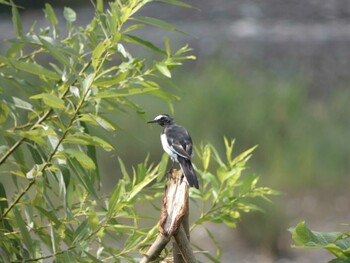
<point x="226" y="191"/>
<point x="57" y="93"/>
<point x="335" y="242"/>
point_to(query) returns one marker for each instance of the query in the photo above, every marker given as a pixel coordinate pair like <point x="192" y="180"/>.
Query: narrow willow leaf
<point x="55" y="51"/>
<point x="81" y="157"/>
<point x="101" y="48"/>
<point x="159" y="23"/>
<point x="93" y="258"/>
<point x="116" y="198"/>
<point x="35" y="69"/>
<point x="4" y="2"/>
<point x="163" y="69"/>
<point x="139" y="41"/>
<point x="176" y="2"/>
<point x="4" y="112"/>
<point x="112" y="80"/>
<point x="124" y="92"/>
<point x="206" y="157"/>
<point x="27" y="240"/>
<point x="3" y="206"/>
<point x="50" y="14"/>
<point x="85" y="139"/>
<point x="167" y="46"/>
<point x="243" y="156"/>
<point x="22" y="104"/>
<point x="37" y="135"/>
<point x="87" y="82"/>
<point x="248" y="183"/>
<point x="133" y="27"/>
<point x="18" y="155"/>
<point x="81" y="231"/>
<point x="69" y="14"/>
<point x="137" y="188"/>
<point x="99" y="6"/>
<point x="166" y="96"/>
<point x="17" y="22"/>
<point x="229" y="149"/>
<point x="97" y="121"/>
<point x="50" y="100"/>
<point x="83" y="176"/>
<point x="126" y="175"/>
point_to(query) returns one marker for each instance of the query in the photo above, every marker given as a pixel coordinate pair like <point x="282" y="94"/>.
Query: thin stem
<point x="46" y="257"/>
<point x="47" y="163"/>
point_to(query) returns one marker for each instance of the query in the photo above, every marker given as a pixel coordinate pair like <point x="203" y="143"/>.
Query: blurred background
<point x="272" y="73"/>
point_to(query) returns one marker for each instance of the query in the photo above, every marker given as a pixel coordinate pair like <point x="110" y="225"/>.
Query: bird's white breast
<point x="167" y="148"/>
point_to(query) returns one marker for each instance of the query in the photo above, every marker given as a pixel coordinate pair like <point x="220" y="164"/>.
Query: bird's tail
<point x="188" y="171"/>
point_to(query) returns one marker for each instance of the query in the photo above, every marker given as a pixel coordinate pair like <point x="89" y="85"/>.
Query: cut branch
<point x="174" y="210"/>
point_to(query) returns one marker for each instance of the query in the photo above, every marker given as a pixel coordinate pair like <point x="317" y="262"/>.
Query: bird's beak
<point x="153" y="121"/>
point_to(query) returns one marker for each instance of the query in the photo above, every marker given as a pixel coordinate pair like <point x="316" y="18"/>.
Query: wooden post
<point x="173" y="222"/>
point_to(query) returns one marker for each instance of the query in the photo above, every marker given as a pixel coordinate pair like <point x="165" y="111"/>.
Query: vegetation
<point x="335" y="242"/>
<point x="58" y="92"/>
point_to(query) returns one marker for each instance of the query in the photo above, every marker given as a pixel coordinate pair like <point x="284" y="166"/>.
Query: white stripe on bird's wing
<point x="178" y="149"/>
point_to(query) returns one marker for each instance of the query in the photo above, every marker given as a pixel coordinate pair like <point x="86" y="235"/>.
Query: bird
<point x="177" y="143"/>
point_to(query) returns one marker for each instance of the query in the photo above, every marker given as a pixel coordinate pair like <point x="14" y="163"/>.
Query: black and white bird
<point x="177" y="143"/>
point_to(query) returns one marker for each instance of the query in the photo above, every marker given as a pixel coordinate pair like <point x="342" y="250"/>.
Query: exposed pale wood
<point x="173" y="219"/>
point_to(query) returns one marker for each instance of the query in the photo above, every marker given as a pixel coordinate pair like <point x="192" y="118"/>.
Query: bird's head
<point x="162" y="120"/>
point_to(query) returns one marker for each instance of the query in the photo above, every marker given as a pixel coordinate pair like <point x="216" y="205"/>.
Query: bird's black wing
<point x="180" y="141"/>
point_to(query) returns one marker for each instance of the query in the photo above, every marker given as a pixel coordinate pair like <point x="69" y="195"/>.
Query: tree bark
<point x="173" y="222"/>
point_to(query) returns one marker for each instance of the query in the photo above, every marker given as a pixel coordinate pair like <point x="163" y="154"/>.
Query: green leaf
<point x="163" y="69"/>
<point x="167" y="46"/>
<point x="176" y="2"/>
<point x="4" y="112"/>
<point x="87" y="82"/>
<point x="159" y="23"/>
<point x="50" y="14"/>
<point x="82" y="158"/>
<point x="81" y="231"/>
<point x="3" y="206"/>
<point x="112" y="80"/>
<point x="86" y="139"/>
<point x="98" y="51"/>
<point x="50" y="100"/>
<point x="18" y="155"/>
<point x="97" y="121"/>
<point x="340" y="260"/>
<point x="21" y="104"/>
<point x="35" y="69"/>
<point x="69" y="14"/>
<point x="248" y="183"/>
<point x="126" y="175"/>
<point x="206" y="157"/>
<point x="27" y="240"/>
<point x="139" y="41"/>
<point x="335" y="242"/>
<point x="55" y="51"/>
<point x="99" y="6"/>
<point x="38" y="135"/>
<point x="83" y="176"/>
<point x="16" y="20"/>
<point x="147" y="180"/>
<point x="115" y="93"/>
<point x="243" y="156"/>
<point x="116" y="200"/>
